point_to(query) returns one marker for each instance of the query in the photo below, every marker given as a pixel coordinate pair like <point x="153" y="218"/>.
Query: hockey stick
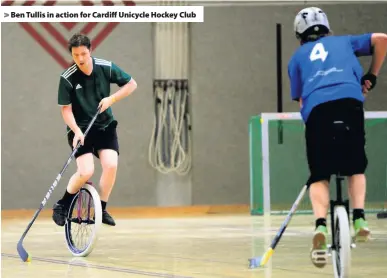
<point x="261" y="261"/>
<point x="20" y="249"/>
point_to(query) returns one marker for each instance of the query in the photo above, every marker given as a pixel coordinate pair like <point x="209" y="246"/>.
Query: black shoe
<point x="59" y="214"/>
<point x="107" y="219"/>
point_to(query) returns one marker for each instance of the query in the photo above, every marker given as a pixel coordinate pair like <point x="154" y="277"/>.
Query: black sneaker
<point x="59" y="214"/>
<point x="107" y="219"/>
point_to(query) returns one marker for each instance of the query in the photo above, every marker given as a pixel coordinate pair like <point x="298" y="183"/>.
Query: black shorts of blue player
<point x="328" y="156"/>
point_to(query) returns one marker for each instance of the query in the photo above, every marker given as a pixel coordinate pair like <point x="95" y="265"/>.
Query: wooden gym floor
<point x="194" y="242"/>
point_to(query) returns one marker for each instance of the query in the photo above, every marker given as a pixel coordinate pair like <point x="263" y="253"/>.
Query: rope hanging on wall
<point x="170" y="145"/>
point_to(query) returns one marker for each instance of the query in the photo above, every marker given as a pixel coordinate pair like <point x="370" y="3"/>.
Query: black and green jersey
<point x="84" y="92"/>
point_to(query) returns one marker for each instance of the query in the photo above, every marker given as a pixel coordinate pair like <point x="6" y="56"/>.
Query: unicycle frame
<point x="80" y="204"/>
<point x="334" y="203"/>
<point x="341" y="233"/>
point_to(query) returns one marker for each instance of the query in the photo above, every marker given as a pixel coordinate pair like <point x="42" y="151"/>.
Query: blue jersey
<point x="328" y="69"/>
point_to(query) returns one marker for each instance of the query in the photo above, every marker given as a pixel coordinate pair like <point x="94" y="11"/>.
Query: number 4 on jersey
<point x="318" y="52"/>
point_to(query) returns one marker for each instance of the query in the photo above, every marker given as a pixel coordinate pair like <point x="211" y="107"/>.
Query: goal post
<point x="278" y="168"/>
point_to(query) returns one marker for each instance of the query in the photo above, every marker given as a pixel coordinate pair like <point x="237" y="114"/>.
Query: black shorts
<point x="97" y="139"/>
<point x="336" y="148"/>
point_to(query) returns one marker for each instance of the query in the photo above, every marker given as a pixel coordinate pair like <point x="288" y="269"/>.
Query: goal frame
<point x="263" y="193"/>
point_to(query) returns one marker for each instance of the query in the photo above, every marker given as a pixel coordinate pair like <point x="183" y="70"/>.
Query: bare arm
<point x="68" y="117"/>
<point x="125" y="90"/>
<point x="379" y="43"/>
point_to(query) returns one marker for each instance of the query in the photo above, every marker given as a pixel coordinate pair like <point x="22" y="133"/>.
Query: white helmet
<point x="310" y="17"/>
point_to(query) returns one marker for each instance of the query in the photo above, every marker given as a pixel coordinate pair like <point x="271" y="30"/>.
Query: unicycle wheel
<point x="84" y="220"/>
<point x="341" y="254"/>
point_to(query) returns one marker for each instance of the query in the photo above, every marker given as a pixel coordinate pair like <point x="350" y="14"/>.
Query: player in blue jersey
<point x="328" y="81"/>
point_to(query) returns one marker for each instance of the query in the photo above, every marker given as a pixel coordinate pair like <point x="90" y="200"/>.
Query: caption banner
<point x="102" y="13"/>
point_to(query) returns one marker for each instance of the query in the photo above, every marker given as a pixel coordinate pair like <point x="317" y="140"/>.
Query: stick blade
<point x="22" y="252"/>
<point x="261" y="261"/>
<point x="255" y="262"/>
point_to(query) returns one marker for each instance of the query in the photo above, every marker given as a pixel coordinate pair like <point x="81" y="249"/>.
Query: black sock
<point x="358" y="213"/>
<point x="103" y="204"/>
<point x="67" y="199"/>
<point x="321" y="222"/>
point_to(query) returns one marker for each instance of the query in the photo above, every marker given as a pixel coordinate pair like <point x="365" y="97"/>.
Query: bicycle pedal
<point x="329" y="251"/>
<point x="353" y="242"/>
<point x="75" y="220"/>
<point x="320" y="256"/>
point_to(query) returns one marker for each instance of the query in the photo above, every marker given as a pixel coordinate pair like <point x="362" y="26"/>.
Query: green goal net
<point x="279" y="169"/>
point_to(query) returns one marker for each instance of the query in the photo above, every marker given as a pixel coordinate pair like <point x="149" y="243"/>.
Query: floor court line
<point x="150" y="274"/>
<point x="189" y="247"/>
<point x="233" y="263"/>
<point x="109" y="268"/>
<point x="194" y="259"/>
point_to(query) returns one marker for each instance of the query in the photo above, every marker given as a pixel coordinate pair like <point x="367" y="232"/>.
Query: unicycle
<point x="84" y="220"/>
<point x="340" y="249"/>
<point x="341" y="234"/>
